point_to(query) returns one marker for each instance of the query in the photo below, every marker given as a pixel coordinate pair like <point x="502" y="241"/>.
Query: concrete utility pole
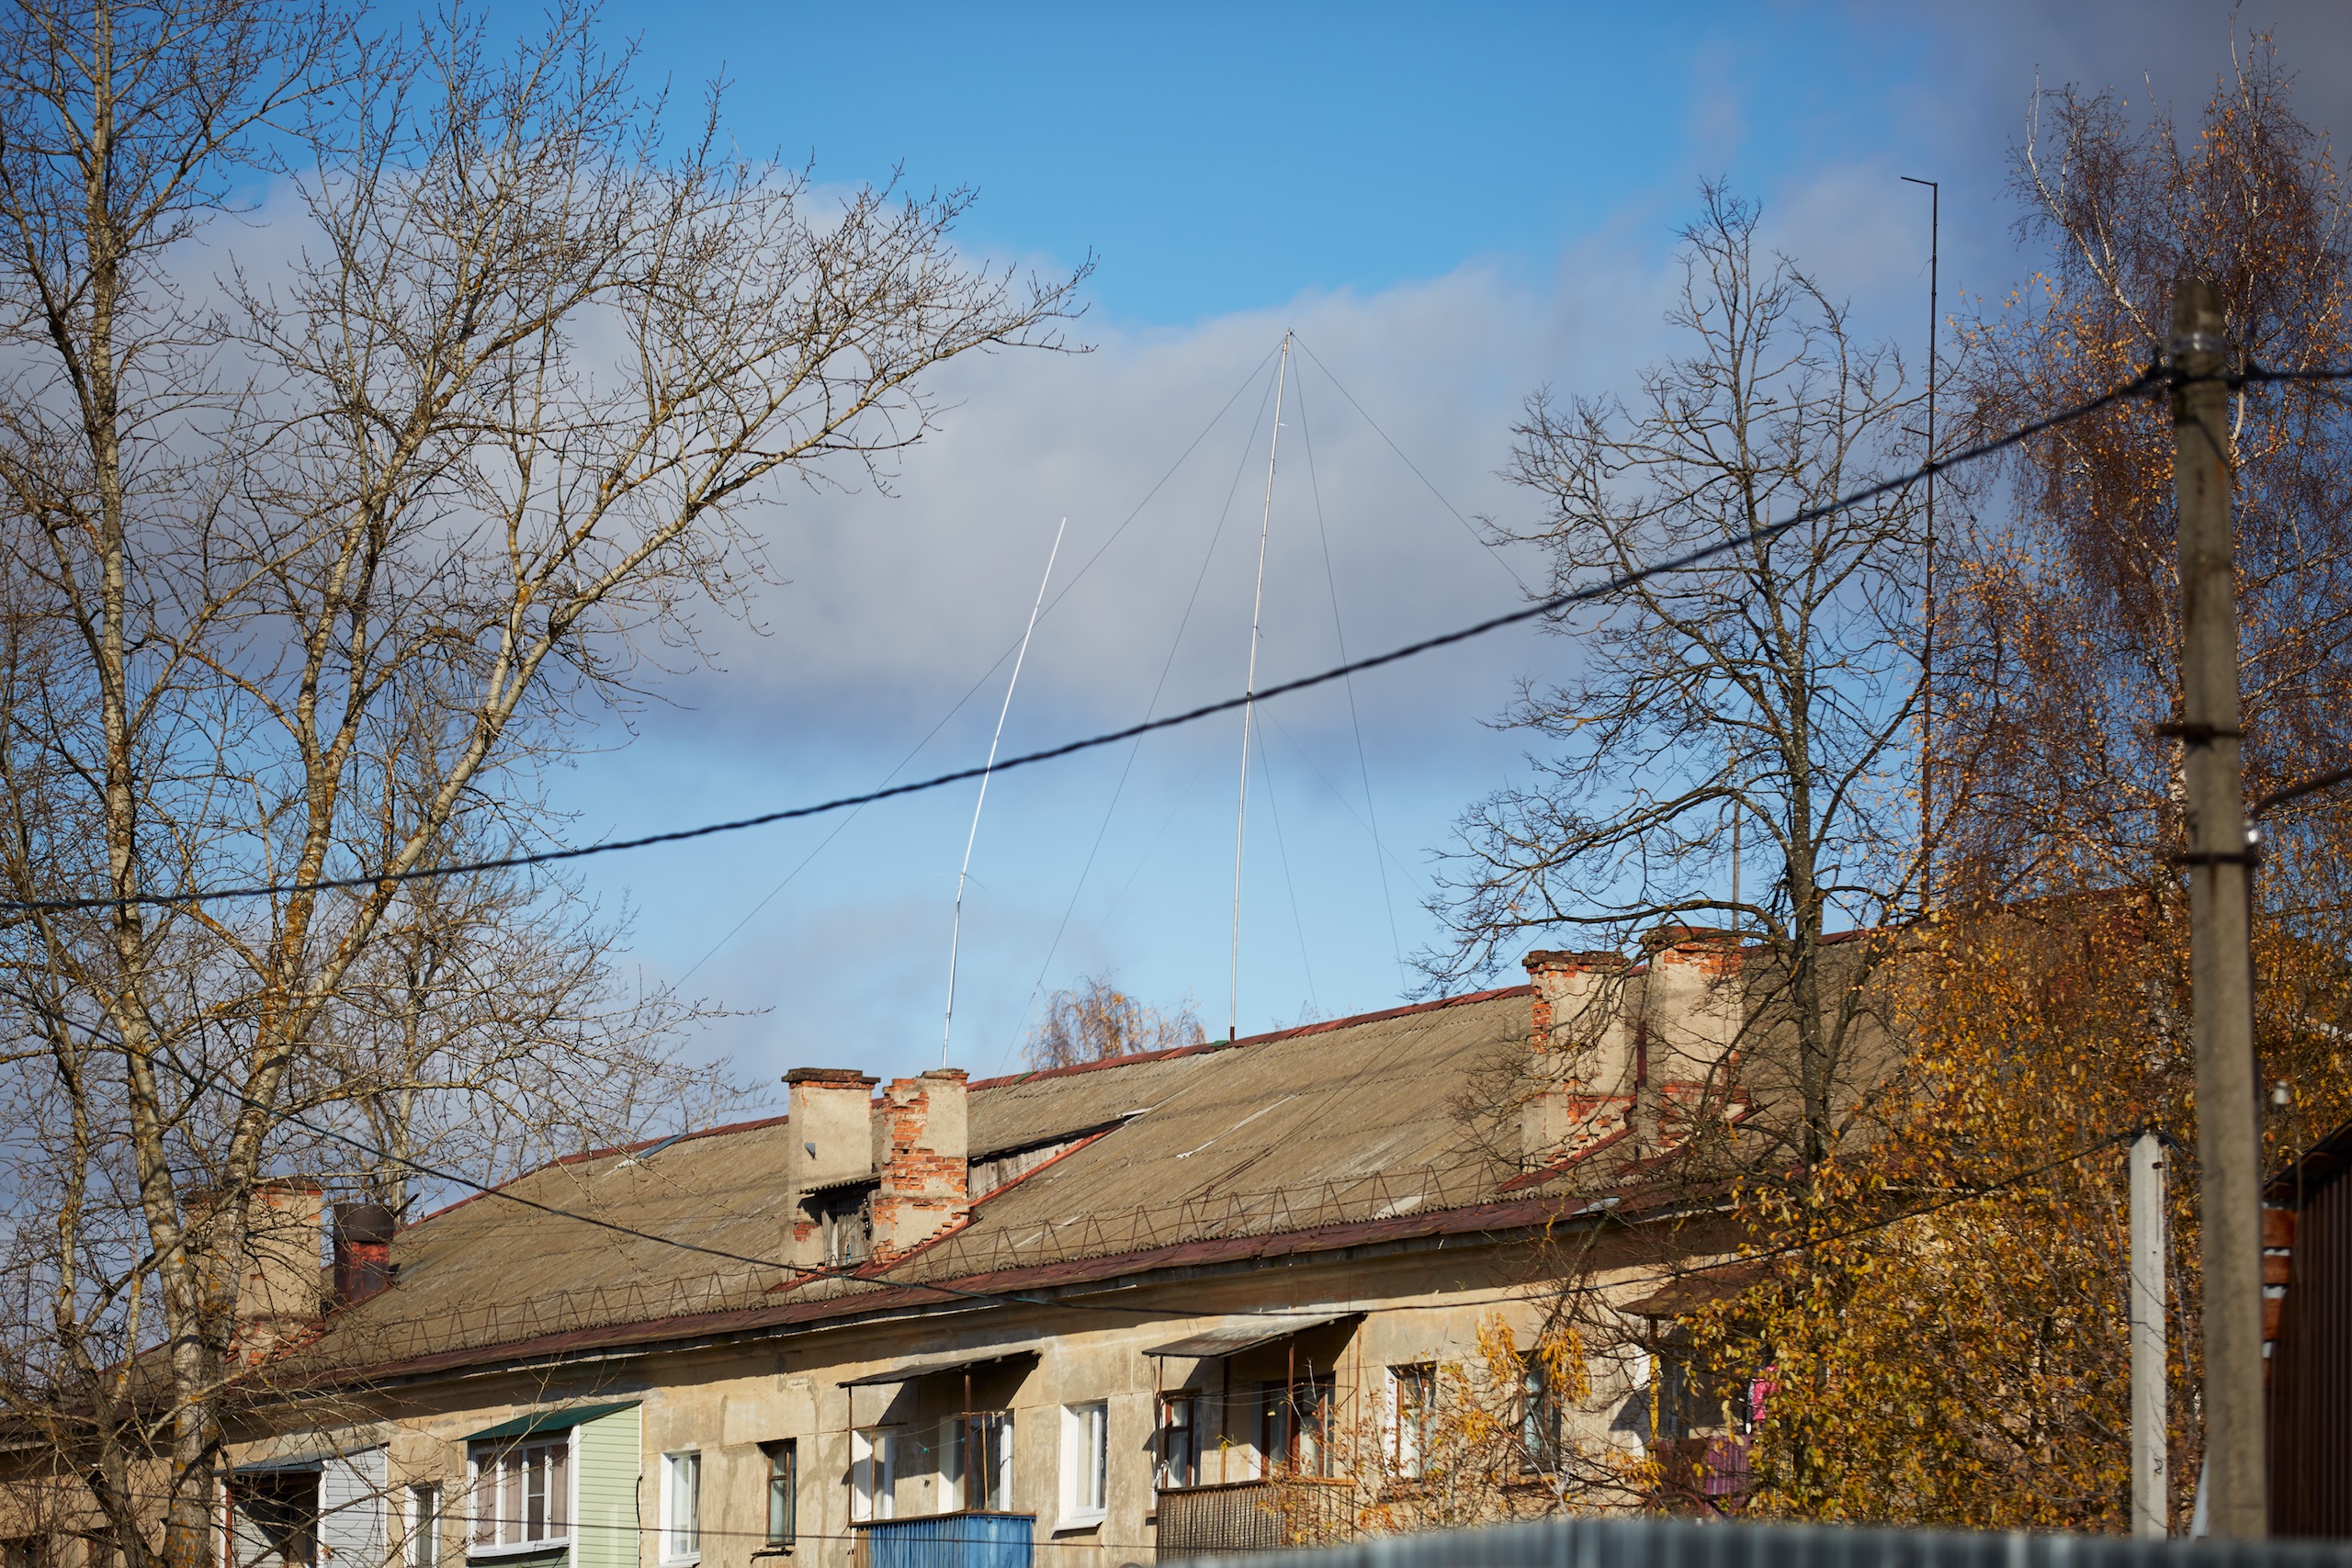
<point x="2151" y="1502"/>
<point x="2219" y="863"/>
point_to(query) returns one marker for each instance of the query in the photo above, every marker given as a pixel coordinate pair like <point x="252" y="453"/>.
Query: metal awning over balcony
<point x="932" y="1366"/>
<point x="1239" y="1334"/>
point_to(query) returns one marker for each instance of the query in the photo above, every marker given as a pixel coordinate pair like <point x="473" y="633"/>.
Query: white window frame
<point x="682" y="1536"/>
<point x="1409" y="1431"/>
<point x="1085" y="1464"/>
<point x="872" y="1473"/>
<point x="421" y="1541"/>
<point x="478" y="1497"/>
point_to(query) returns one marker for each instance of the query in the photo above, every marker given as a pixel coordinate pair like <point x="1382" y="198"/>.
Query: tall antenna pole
<point x="1927" y="630"/>
<point x="1249" y="692"/>
<point x="955" y="935"/>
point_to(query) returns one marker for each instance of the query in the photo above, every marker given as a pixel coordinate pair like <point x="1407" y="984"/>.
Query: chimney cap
<point x="958" y="1073"/>
<point x="1544" y="958"/>
<point x="363" y="1224"/>
<point x="1674" y="934"/>
<point x="841" y="1075"/>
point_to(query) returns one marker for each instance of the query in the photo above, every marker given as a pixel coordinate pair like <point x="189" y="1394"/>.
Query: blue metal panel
<point x="948" y="1540"/>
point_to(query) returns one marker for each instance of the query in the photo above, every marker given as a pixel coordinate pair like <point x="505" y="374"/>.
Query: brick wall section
<point x="1562" y="983"/>
<point x="921" y="1154"/>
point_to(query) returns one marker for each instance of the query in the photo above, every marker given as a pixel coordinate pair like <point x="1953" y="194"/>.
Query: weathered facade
<point x="1084" y="1317"/>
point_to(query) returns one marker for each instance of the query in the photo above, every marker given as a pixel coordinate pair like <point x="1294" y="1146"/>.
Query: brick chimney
<point x="362" y="1251"/>
<point x="1580" y="1054"/>
<point x="922" y="1153"/>
<point x="274" y="1275"/>
<point x="829" y="1152"/>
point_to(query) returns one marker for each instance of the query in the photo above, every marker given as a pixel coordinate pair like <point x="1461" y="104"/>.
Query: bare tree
<point x="1733" y="747"/>
<point x="454" y="446"/>
<point x="1097" y="1021"/>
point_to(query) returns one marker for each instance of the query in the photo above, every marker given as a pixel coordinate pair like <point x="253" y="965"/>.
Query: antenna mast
<point x="1928" y="586"/>
<point x="955" y="934"/>
<point x="1248" y="692"/>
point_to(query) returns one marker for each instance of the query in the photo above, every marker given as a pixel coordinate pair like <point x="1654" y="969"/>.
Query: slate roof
<point x="1317" y="1136"/>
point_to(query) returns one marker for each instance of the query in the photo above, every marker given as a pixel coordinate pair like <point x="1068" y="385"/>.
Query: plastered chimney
<point x="831" y="1144"/>
<point x="828" y="1156"/>
<point x="1692" y="1003"/>
<point x="1580" y="1052"/>
<point x="274" y="1274"/>
<point x="922" y="1154"/>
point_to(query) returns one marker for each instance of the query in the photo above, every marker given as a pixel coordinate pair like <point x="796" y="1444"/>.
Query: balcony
<point x="1255" y="1515"/>
<point x="946" y="1541"/>
<point x="1702" y="1474"/>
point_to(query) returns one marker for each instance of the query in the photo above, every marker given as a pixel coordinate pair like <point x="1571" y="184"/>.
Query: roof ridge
<point x="1293" y="1033"/>
<point x="1006" y="1080"/>
<point x="582" y="1156"/>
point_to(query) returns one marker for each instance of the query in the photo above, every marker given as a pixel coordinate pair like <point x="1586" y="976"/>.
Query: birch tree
<point x="356" y="390"/>
<point x="1733" y="750"/>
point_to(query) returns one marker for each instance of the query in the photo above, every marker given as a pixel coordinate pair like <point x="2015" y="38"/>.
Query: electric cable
<point x="1215" y="420"/>
<point x="1467" y="525"/>
<point x="1119" y="790"/>
<point x="993" y="1298"/>
<point x="1355" y="722"/>
<point x="1549" y="606"/>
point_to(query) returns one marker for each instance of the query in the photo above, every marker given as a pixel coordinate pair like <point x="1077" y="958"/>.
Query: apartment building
<point x="1095" y="1315"/>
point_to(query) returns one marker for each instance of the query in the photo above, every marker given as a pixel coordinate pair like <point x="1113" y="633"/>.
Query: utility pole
<point x="2219" y="863"/>
<point x="2151" y="1500"/>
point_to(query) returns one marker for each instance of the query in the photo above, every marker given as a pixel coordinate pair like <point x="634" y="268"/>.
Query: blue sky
<point x="1451" y="206"/>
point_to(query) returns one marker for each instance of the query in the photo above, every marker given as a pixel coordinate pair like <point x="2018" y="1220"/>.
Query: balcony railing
<point x="1255" y="1515"/>
<point x="946" y="1541"/>
<point x="1707" y="1475"/>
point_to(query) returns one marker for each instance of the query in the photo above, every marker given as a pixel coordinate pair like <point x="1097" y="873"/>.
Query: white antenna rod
<point x="1249" y="692"/>
<point x="956" y="936"/>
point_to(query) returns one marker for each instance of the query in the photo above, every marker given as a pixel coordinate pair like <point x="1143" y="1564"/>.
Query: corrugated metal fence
<point x="1680" y="1544"/>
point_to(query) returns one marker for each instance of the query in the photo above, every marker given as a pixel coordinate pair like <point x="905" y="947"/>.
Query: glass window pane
<point x="510" y="1498"/>
<point x="782" y="1463"/>
<point x="560" y="1490"/>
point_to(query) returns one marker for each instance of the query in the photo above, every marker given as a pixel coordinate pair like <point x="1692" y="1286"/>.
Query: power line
<point x="1539" y="610"/>
<point x="993" y="1298"/>
<point x="1363" y="768"/>
<point x="1119" y="790"/>
<point x="1468" y="527"/>
<point x="931" y="734"/>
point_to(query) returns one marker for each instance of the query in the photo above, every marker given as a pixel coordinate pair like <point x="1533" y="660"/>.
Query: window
<point x="783" y="1479"/>
<point x="873" y="1473"/>
<point x="1179" y="1440"/>
<point x="523" y="1494"/>
<point x="848" y="1221"/>
<point x="976" y="1463"/>
<point x="278" y="1518"/>
<point x="1086" y="1462"/>
<point x="1539" y="1416"/>
<point x="1413" y="1410"/>
<point x="1294" y="1426"/>
<point x="23" y="1551"/>
<point x="424" y="1525"/>
<point x="681" y="1506"/>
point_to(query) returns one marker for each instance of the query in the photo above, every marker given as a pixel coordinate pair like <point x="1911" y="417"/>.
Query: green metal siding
<point x="606" y="1532"/>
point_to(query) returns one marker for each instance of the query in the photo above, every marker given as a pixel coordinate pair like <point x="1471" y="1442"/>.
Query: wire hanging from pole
<point x="955" y="933"/>
<point x="1248" y="699"/>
